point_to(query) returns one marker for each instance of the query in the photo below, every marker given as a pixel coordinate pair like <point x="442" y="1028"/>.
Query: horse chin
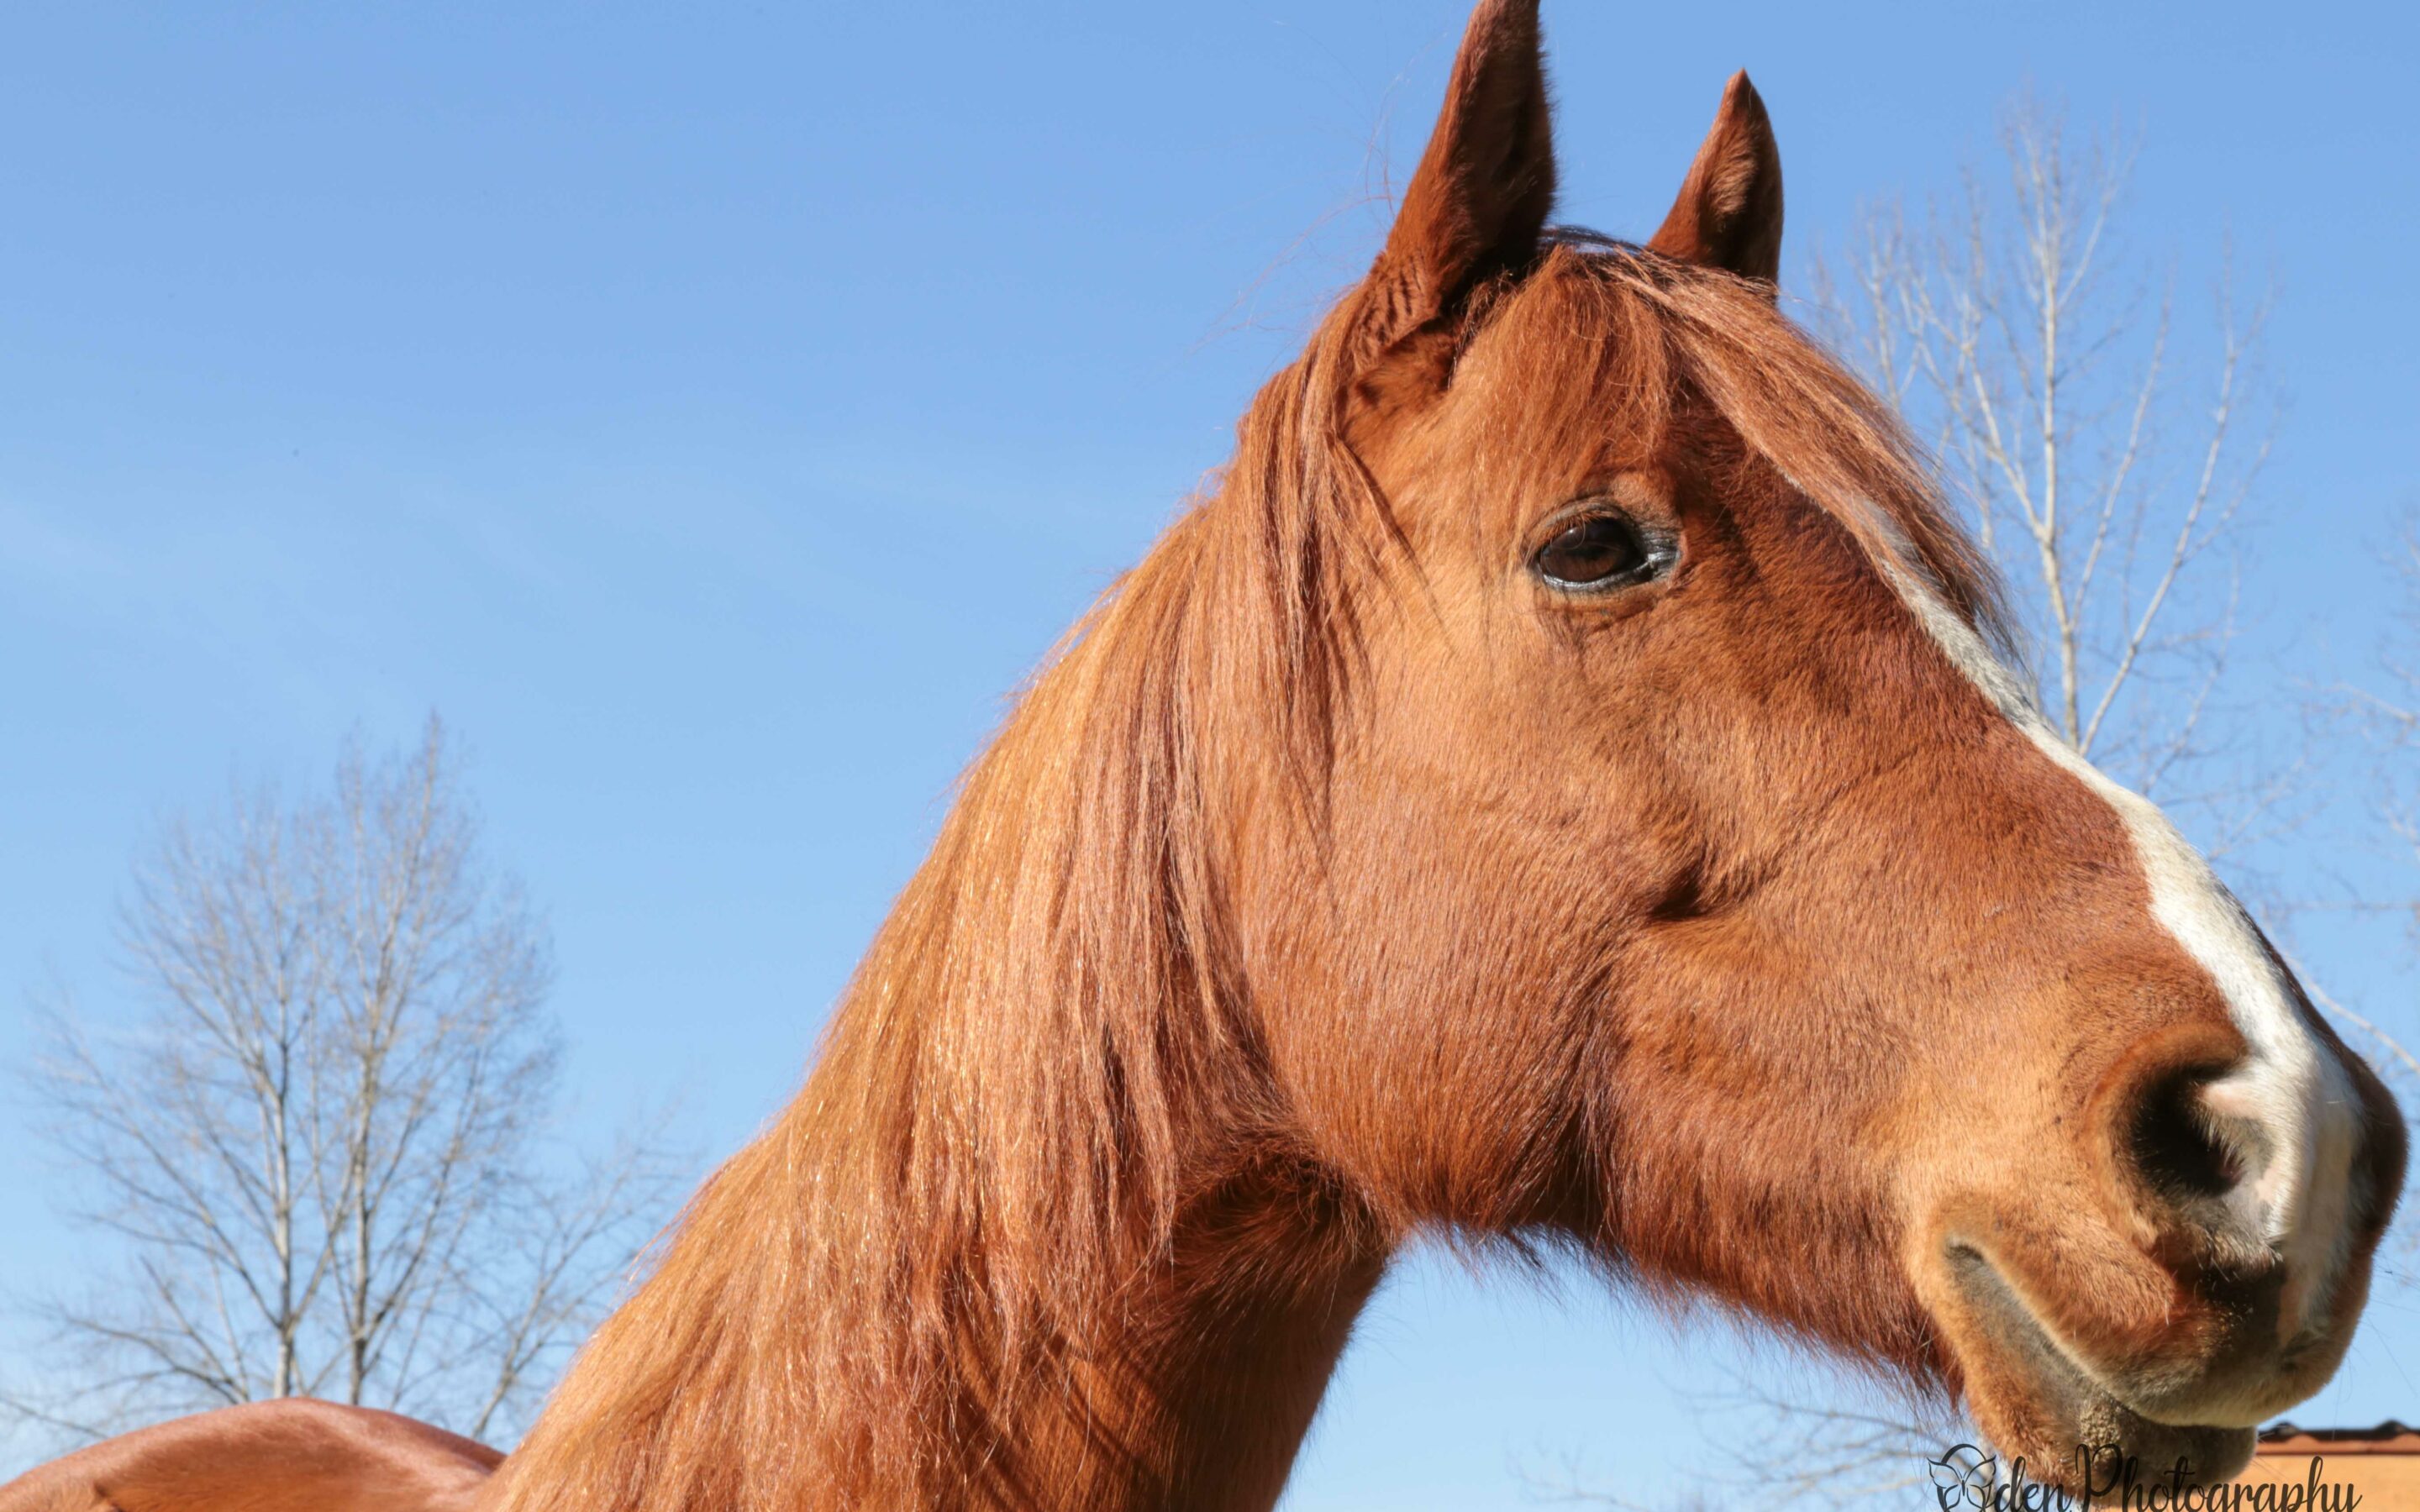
<point x="2086" y="1442"/>
<point x="2072" y="1431"/>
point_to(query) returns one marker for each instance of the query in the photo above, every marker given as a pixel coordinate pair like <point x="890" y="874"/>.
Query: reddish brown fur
<point x="1338" y="882"/>
<point x="294" y="1456"/>
<point x="1728" y="211"/>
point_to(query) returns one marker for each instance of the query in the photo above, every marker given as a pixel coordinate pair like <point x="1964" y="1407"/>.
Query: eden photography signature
<point x="1966" y="1477"/>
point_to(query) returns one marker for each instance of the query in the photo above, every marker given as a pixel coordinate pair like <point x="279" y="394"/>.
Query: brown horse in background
<point x="1562" y="787"/>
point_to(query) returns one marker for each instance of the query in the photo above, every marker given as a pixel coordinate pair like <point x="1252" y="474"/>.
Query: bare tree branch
<point x="1781" y="1449"/>
<point x="2104" y="471"/>
<point x="323" y="1152"/>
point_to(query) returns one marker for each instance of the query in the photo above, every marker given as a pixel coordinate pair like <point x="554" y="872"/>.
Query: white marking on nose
<point x="2290" y="1087"/>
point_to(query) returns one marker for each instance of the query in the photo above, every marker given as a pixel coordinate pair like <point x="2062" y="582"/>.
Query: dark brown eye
<point x="1596" y="551"/>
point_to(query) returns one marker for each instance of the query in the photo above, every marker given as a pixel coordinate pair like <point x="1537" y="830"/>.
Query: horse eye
<point x="1597" y="551"/>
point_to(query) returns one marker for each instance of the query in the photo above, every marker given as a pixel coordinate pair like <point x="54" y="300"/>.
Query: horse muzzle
<point x="2180" y="1271"/>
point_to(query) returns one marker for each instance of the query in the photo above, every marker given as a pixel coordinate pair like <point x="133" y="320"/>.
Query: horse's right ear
<point x="1477" y="205"/>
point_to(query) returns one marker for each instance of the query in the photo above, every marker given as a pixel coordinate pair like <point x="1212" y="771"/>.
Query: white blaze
<point x="2297" y="1094"/>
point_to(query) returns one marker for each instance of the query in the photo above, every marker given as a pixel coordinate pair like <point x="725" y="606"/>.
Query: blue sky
<point x="602" y="377"/>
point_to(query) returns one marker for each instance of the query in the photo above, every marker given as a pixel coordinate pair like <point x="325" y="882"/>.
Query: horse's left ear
<point x="1728" y="213"/>
<point x="1477" y="205"/>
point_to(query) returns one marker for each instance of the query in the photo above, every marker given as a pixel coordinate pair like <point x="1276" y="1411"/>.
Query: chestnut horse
<point x="1564" y="786"/>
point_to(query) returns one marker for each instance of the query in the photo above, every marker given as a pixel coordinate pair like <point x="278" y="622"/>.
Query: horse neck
<point x="1195" y="1394"/>
<point x="1027" y="1238"/>
<point x="743" y="1375"/>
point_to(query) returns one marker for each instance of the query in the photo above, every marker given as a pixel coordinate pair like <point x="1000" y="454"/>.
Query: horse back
<point x="291" y="1456"/>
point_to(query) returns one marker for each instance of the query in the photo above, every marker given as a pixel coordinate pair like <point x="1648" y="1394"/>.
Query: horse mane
<point x="1050" y="1044"/>
<point x="995" y="1135"/>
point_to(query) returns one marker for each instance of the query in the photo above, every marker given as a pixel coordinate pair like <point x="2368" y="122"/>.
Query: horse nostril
<point x="2175" y="1147"/>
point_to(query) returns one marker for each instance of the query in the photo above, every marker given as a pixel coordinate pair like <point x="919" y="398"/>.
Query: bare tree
<point x="2393" y="714"/>
<point x="322" y="1158"/>
<point x="2385" y="710"/>
<point x="2108" y="460"/>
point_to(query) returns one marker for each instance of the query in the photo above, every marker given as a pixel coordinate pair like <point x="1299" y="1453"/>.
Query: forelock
<point x="1653" y="327"/>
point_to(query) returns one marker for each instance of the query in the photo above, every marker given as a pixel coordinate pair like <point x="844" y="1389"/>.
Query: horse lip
<point x="1981" y="1281"/>
<point x="2081" y="1397"/>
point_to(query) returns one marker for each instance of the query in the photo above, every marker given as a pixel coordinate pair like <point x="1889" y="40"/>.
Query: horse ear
<point x="1477" y="205"/>
<point x="1729" y="212"/>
